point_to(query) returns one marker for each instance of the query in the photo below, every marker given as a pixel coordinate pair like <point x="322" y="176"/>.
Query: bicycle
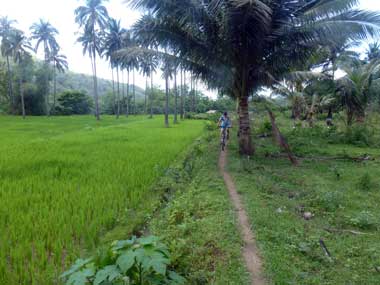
<point x="223" y="138"/>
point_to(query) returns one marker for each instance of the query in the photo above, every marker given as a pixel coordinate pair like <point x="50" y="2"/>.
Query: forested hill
<point x="81" y="82"/>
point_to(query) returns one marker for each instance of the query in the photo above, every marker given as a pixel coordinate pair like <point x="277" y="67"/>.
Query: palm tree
<point x="373" y="51"/>
<point x="44" y="33"/>
<point x="239" y="46"/>
<point x="167" y="72"/>
<point x="148" y="64"/>
<point x="113" y="42"/>
<point x="20" y="47"/>
<point x="93" y="18"/>
<point x="126" y="62"/>
<point x="175" y="95"/>
<point x="353" y="89"/>
<point x="6" y="30"/>
<point x="59" y="64"/>
<point x="182" y="95"/>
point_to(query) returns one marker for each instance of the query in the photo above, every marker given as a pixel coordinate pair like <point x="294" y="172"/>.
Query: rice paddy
<point x="66" y="180"/>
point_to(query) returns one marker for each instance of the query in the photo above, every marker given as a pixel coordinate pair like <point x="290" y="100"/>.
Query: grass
<point x="341" y="194"/>
<point x="65" y="181"/>
<point x="198" y="223"/>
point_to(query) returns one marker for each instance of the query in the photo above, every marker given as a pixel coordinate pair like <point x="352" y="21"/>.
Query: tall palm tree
<point x="175" y="69"/>
<point x="126" y="63"/>
<point x="182" y="94"/>
<point x="373" y="51"/>
<point x="148" y="65"/>
<point x="6" y="29"/>
<point x="113" y="42"/>
<point x="44" y="33"/>
<point x="20" y="47"/>
<point x="60" y="64"/>
<point x="239" y="46"/>
<point x="167" y="73"/>
<point x="93" y="18"/>
<point x="353" y="89"/>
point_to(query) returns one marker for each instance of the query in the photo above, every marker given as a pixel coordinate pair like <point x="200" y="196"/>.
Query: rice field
<point x="65" y="181"/>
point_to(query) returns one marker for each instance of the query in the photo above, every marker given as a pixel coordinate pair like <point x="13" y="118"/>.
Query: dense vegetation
<point x="76" y="179"/>
<point x="72" y="185"/>
<point x="337" y="182"/>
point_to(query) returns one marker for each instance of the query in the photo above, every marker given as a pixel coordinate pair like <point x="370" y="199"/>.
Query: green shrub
<point x="364" y="220"/>
<point x="365" y="182"/>
<point x="265" y="127"/>
<point x="359" y="135"/>
<point x="135" y="261"/>
<point x="331" y="201"/>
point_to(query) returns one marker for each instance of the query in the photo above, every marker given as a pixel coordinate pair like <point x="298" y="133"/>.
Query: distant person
<point x="225" y="124"/>
<point x="329" y="120"/>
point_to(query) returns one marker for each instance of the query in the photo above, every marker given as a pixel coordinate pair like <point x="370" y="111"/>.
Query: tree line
<point x="240" y="47"/>
<point x="101" y="36"/>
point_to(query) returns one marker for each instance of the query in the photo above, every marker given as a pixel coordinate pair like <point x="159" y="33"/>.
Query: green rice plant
<point x="65" y="181"/>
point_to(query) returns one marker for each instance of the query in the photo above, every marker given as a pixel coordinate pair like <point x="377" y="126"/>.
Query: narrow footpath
<point x="250" y="251"/>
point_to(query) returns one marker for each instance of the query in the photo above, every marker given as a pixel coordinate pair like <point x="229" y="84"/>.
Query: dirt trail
<point x="250" y="252"/>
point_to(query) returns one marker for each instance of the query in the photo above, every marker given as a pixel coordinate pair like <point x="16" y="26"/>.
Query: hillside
<point x="75" y="81"/>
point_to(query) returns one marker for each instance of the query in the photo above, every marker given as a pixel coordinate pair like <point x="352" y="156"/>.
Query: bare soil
<point x="250" y="252"/>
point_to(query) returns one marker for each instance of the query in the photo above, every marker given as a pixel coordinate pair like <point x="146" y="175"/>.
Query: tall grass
<point x="64" y="181"/>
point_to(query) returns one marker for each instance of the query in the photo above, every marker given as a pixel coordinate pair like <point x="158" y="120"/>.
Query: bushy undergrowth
<point x="137" y="261"/>
<point x="198" y="225"/>
<point x="328" y="202"/>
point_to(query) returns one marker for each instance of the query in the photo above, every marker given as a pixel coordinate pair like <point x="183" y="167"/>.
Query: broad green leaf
<point x="126" y="260"/>
<point x="121" y="244"/>
<point x="148" y="240"/>
<point x="79" y="264"/>
<point x="158" y="264"/>
<point x="108" y="273"/>
<point x="176" y="278"/>
<point x="80" y="277"/>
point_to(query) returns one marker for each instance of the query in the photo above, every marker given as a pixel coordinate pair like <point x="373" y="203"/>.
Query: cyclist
<point x="225" y="124"/>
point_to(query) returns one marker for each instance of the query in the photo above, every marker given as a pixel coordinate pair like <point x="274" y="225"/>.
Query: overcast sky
<point x="60" y="13"/>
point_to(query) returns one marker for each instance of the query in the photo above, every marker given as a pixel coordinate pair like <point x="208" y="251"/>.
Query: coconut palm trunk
<point x="127" y="101"/>
<point x="184" y="94"/>
<point x="241" y="92"/>
<point x="123" y="91"/>
<point x="55" y="86"/>
<point x="175" y="97"/>
<point x="113" y="91"/>
<point x="167" y="100"/>
<point x="10" y="86"/>
<point x="22" y="98"/>
<point x="118" y="92"/>
<point x="134" y="93"/>
<point x="181" y="95"/>
<point x="47" y="107"/>
<point x="146" y="95"/>
<point x="151" y="96"/>
<point x="97" y="113"/>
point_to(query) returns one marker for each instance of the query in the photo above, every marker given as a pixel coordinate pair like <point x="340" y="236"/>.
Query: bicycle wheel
<point x="223" y="140"/>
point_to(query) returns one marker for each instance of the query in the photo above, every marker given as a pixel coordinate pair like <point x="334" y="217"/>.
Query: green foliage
<point x="360" y="135"/>
<point x="326" y="184"/>
<point x="365" y="182"/>
<point x="73" y="103"/>
<point x="198" y="224"/>
<point x="331" y="201"/>
<point x="364" y="220"/>
<point x="140" y="261"/>
<point x="265" y="127"/>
